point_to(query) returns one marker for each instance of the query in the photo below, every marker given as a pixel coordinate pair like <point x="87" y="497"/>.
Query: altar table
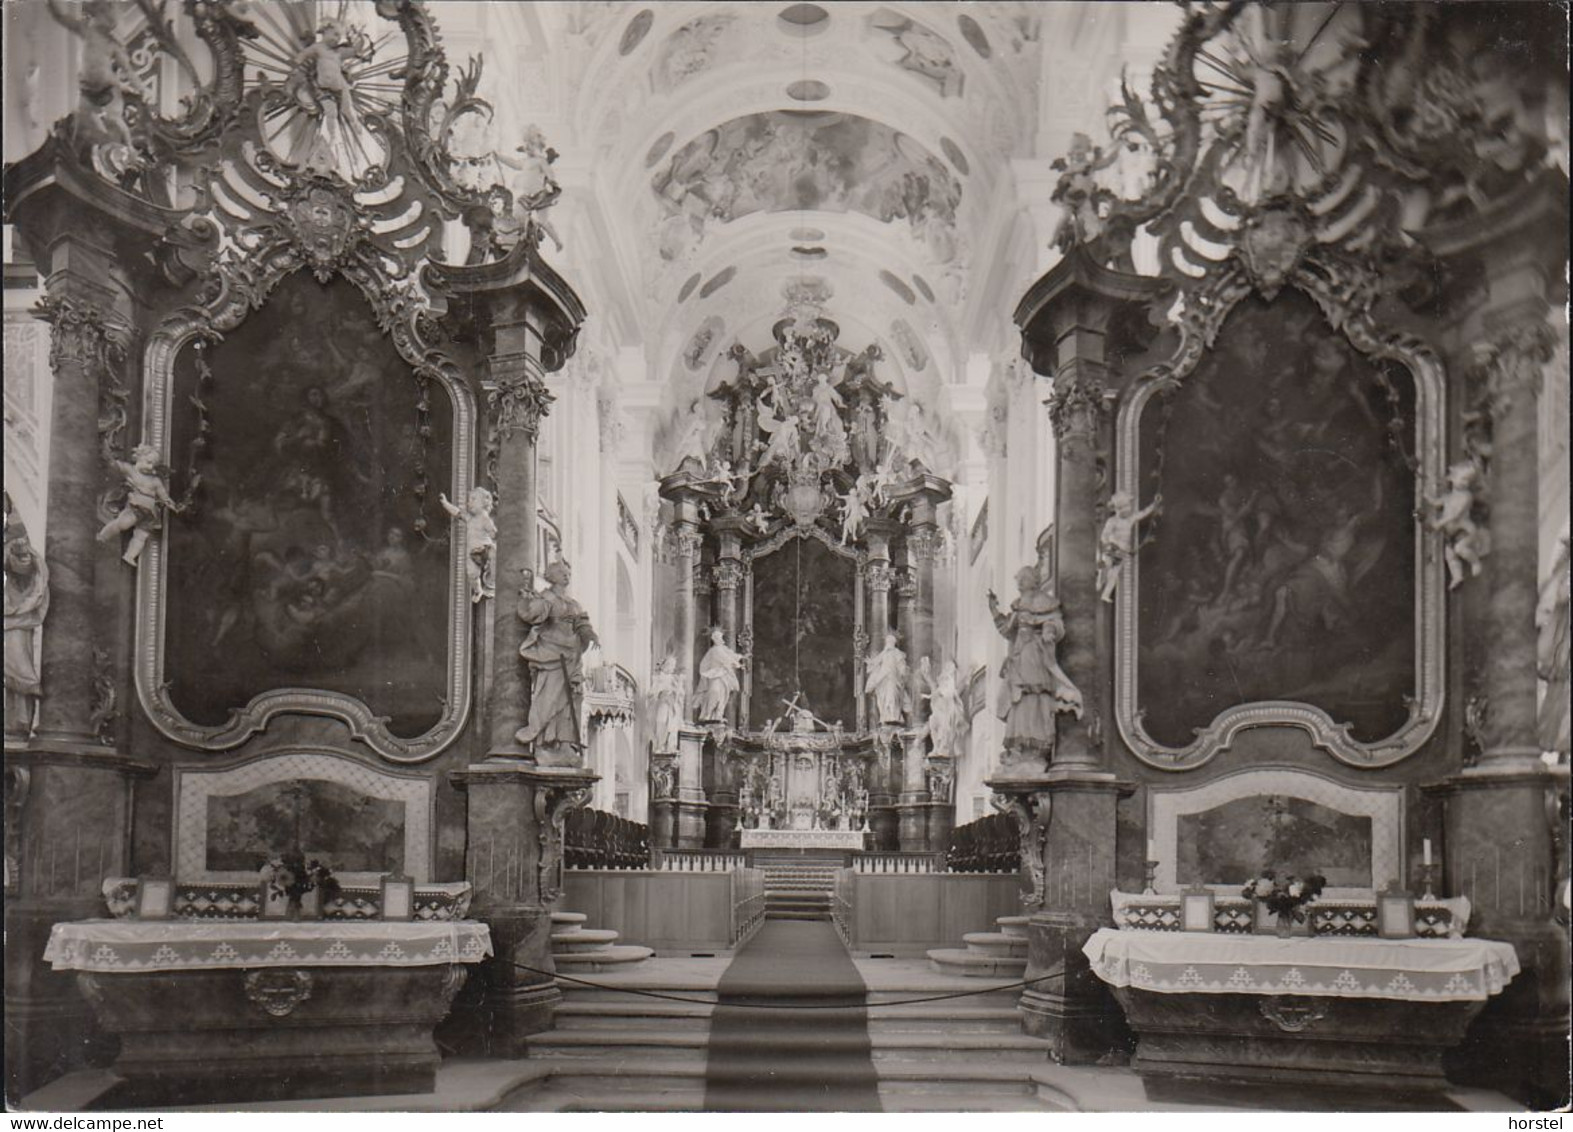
<point x="802" y="839"/>
<point x="1334" y="1010"/>
<point x="215" y="1011"/>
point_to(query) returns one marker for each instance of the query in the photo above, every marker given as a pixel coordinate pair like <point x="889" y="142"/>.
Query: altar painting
<point x="804" y="619"/>
<point x="303" y="561"/>
<point x="326" y="820"/>
<point x="1282" y="564"/>
<point x="1241" y="838"/>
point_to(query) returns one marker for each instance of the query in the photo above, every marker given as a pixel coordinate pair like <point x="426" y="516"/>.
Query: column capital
<point x="518" y="399"/>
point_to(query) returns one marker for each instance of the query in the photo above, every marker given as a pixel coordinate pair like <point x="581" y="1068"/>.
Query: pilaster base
<point x="502" y="1004"/>
<point x="912" y="823"/>
<point x="691" y="822"/>
<point x="1068" y="1004"/>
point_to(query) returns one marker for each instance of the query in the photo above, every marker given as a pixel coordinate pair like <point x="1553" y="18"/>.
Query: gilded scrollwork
<point x="1032" y="813"/>
<point x="552" y="806"/>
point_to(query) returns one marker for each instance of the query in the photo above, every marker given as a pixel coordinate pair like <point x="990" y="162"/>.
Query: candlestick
<point x="1151" y="869"/>
<point x="1427" y="875"/>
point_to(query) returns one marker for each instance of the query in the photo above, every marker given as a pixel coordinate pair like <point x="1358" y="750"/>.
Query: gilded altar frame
<point x="1342" y="293"/>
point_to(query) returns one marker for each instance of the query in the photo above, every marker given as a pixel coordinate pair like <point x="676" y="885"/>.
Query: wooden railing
<point x="748" y="903"/>
<point x="888" y="862"/>
<point x="595" y="839"/>
<point x="695" y="860"/>
<point x="841" y="905"/>
<point x="988" y="845"/>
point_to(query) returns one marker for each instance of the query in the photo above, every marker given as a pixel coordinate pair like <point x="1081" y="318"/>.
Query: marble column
<point x="525" y="318"/>
<point x="513" y="858"/>
<point x="686" y="542"/>
<point x="1501" y="823"/>
<point x="1067" y="811"/>
<point x="68" y="787"/>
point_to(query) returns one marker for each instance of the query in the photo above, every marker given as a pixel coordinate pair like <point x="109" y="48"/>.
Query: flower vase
<point x="293" y="910"/>
<point x="311" y="904"/>
<point x="1285" y="925"/>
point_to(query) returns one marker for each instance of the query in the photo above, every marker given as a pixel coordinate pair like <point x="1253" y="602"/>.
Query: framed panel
<point x="398" y="898"/>
<point x="155" y="898"/>
<point x="1196" y="909"/>
<point x="314" y="491"/>
<point x="1395" y="914"/>
<point x="363" y="821"/>
<point x="1292" y="583"/>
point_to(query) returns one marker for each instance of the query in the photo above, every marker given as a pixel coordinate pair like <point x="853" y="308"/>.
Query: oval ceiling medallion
<point x="973" y="34"/>
<point x="923" y="287"/>
<point x="717" y="281"/>
<point x="688" y="287"/>
<point x="634" y="33"/>
<point x="953" y="153"/>
<point x="808" y="90"/>
<point x="898" y="287"/>
<point x="803" y="19"/>
<point x="658" y="150"/>
<point x="806" y="235"/>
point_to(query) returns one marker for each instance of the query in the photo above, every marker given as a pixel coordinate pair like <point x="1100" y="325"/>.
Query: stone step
<point x="583" y="939"/>
<point x="645" y="1044"/>
<point x="992" y="943"/>
<point x="942" y="1017"/>
<point x="772" y="914"/>
<point x="1014" y="925"/>
<point x="956" y="961"/>
<point x="573" y="1014"/>
<point x="617" y="957"/>
<point x="569" y="918"/>
<point x="949" y="1049"/>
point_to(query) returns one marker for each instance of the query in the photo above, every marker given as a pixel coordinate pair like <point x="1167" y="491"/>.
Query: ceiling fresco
<point x="800" y="161"/>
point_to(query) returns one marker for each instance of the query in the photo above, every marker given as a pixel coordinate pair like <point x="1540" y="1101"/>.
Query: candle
<point x="1152" y="849"/>
<point x="1425" y="851"/>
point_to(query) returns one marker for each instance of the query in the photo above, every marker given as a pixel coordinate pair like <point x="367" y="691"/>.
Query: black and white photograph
<point x="617" y="557"/>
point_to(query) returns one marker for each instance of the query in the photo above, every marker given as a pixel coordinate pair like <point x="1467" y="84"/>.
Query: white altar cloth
<point x="802" y="839"/>
<point x="1411" y="970"/>
<point x="123" y="946"/>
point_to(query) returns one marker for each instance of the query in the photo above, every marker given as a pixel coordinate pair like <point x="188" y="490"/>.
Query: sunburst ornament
<point x="331" y="73"/>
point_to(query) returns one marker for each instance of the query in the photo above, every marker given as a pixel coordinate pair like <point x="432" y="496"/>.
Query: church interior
<point x="892" y="556"/>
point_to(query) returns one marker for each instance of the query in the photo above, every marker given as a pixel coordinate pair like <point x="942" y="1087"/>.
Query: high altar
<point x="801" y="500"/>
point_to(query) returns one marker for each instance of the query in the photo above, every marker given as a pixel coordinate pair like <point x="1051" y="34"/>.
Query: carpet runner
<point x="765" y="1056"/>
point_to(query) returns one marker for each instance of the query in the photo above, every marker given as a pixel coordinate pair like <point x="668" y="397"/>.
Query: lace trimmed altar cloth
<point x="119" y="946"/>
<point x="1408" y="970"/>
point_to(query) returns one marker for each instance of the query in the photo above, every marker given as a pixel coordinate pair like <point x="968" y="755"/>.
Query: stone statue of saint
<point x="717" y="678"/>
<point x="947" y="712"/>
<point x="1034" y="688"/>
<point x="553" y="649"/>
<point x="26" y="605"/>
<point x="886" y="681"/>
<point x="667" y="694"/>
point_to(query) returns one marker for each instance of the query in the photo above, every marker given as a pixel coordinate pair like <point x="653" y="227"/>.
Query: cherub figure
<point x="759" y="519"/>
<point x="480" y="539"/>
<point x="319" y="78"/>
<point x="784" y="433"/>
<point x="1117" y="540"/>
<point x="147" y="495"/>
<point x="535" y="189"/>
<point x="1466" y="544"/>
<point x="106" y="73"/>
<point x="1079" y="193"/>
<point x="854" y="513"/>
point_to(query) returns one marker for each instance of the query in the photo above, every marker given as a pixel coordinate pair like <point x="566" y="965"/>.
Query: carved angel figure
<point x="1466" y="543"/>
<point x="1035" y="689"/>
<point x="106" y="74"/>
<point x="717" y="678"/>
<point x="886" y="680"/>
<point x="147" y="496"/>
<point x="536" y="188"/>
<point x="667" y="695"/>
<point x="479" y="529"/>
<point x="1117" y="540"/>
<point x="784" y="433"/>
<point x="856" y="511"/>
<point x="26" y="606"/>
<point x="319" y="82"/>
<point x="1079" y="193"/>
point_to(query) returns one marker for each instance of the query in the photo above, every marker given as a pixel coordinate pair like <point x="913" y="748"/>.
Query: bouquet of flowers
<point x="1285" y="896"/>
<point x="291" y="876"/>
